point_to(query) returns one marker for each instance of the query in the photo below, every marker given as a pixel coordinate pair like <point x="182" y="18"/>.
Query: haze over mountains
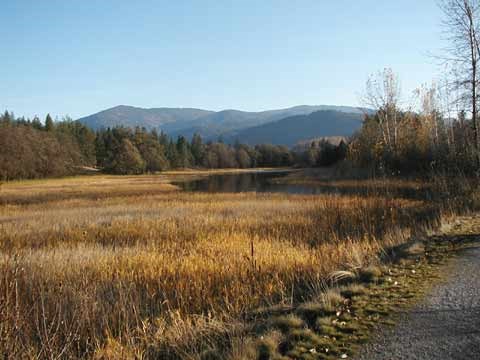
<point x="282" y="126"/>
<point x="294" y="129"/>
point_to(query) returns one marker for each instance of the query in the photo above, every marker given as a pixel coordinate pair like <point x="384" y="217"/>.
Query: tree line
<point x="36" y="149"/>
<point x="400" y="141"/>
<point x="439" y="132"/>
<point x="414" y="143"/>
<point x="32" y="149"/>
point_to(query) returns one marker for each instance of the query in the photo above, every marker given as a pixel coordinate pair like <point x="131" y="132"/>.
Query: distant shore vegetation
<point x="35" y="149"/>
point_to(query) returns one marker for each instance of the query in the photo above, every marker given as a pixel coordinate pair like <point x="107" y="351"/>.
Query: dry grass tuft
<point x="342" y="276"/>
<point x="370" y="274"/>
<point x="286" y="323"/>
<point x="352" y="290"/>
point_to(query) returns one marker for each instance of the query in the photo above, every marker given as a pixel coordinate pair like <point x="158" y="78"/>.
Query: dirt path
<point x="447" y="324"/>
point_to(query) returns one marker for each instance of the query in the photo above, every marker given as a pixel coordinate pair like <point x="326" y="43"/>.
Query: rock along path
<point x="446" y="325"/>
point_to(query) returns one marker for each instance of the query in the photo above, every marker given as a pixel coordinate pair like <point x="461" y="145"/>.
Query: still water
<point x="246" y="182"/>
<point x="264" y="181"/>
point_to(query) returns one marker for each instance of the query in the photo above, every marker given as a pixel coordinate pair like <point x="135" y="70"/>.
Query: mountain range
<point x="282" y="126"/>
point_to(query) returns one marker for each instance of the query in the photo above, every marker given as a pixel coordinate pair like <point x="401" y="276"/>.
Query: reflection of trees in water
<point x="246" y="183"/>
<point x="231" y="183"/>
<point x="260" y="182"/>
<point x="234" y="183"/>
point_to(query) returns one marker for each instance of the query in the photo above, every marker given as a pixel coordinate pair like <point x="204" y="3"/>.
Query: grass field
<point x="132" y="267"/>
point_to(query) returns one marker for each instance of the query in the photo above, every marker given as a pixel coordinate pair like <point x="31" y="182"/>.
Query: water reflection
<point x="234" y="183"/>
<point x="265" y="182"/>
<point x="251" y="182"/>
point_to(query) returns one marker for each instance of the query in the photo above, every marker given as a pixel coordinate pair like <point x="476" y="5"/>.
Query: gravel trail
<point x="446" y="325"/>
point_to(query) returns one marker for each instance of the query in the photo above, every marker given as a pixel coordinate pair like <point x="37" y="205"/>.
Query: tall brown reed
<point x="129" y="267"/>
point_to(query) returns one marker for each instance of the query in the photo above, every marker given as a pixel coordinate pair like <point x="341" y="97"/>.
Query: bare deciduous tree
<point x="383" y="94"/>
<point x="462" y="26"/>
<point x="430" y="109"/>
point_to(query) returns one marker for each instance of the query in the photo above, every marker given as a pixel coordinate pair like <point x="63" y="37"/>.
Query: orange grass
<point x="129" y="266"/>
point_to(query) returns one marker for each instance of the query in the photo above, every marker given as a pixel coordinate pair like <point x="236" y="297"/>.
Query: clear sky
<point x="78" y="57"/>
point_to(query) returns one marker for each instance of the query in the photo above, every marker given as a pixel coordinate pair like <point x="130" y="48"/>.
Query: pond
<point x="264" y="182"/>
<point x="259" y="181"/>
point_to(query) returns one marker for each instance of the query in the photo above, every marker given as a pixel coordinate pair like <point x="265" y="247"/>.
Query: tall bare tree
<point x="430" y="110"/>
<point x="462" y="26"/>
<point x="382" y="93"/>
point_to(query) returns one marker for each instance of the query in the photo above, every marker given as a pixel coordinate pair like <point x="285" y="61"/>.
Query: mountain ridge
<point x="291" y="130"/>
<point x="211" y="125"/>
<point x="131" y="116"/>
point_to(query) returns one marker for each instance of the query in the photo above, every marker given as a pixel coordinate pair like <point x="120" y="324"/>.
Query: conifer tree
<point x="127" y="160"/>
<point x="49" y="126"/>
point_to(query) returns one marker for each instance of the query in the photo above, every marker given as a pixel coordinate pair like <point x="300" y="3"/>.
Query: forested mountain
<point x="32" y="148"/>
<point x="210" y="125"/>
<point x="170" y="119"/>
<point x="36" y="149"/>
<point x="291" y="130"/>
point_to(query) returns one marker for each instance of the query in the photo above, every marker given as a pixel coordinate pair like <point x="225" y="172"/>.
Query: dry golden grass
<point x="131" y="267"/>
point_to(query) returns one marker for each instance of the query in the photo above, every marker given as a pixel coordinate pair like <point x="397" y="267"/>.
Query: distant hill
<point x="228" y="124"/>
<point x="168" y="119"/>
<point x="291" y="130"/>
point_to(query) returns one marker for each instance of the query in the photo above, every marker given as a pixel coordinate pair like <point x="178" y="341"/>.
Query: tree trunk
<point x="474" y="58"/>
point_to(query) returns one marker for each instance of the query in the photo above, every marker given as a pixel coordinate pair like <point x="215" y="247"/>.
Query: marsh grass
<point x="130" y="267"/>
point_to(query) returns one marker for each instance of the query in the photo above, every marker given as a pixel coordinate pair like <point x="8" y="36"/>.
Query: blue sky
<point x="80" y="57"/>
